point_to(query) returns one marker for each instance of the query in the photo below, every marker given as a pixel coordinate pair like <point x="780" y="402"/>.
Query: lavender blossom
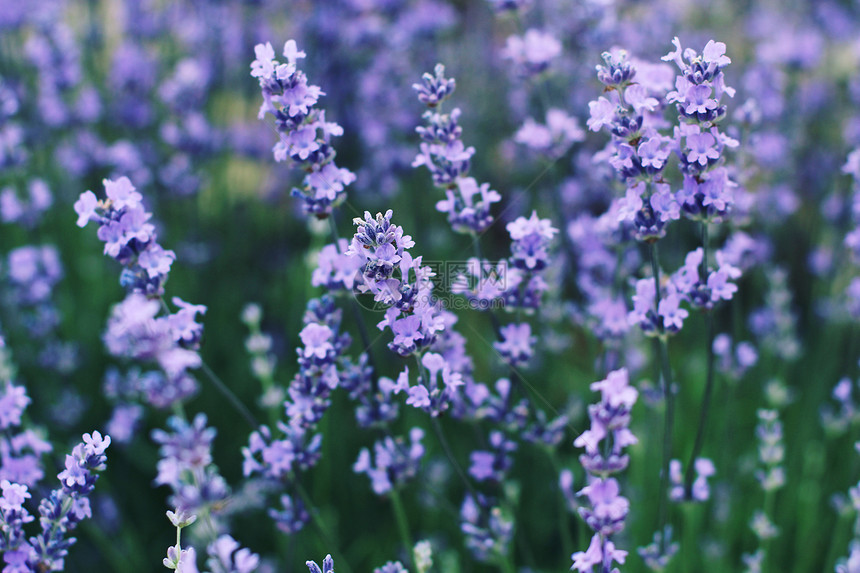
<point x="135" y="331"/>
<point x="701" y="492"/>
<point x="305" y="135"/>
<point x="227" y="556"/>
<point x="609" y="421"/>
<point x="186" y="465"/>
<point x="128" y="236"/>
<point x="395" y="461"/>
<point x="328" y="566"/>
<point x="553" y="139"/>
<point x="532" y="53"/>
<point x="493" y="465"/>
<point x="65" y="507"/>
<point x="516" y="346"/>
<point x="442" y="151"/>
<point x="488" y="529"/>
<point x="413" y="315"/>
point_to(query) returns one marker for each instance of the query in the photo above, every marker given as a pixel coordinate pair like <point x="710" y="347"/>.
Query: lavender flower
<point x="442" y="151"/>
<point x="838" y="422"/>
<point x="529" y="241"/>
<point x="516" y="344"/>
<point x="553" y="139"/>
<point x="128" y="236"/>
<point x="429" y="394"/>
<point x="293" y="517"/>
<point x="328" y="565"/>
<point x="701" y="492"/>
<point x="532" y="53"/>
<point x="20" y="449"/>
<point x="226" y="556"/>
<point x="608" y="510"/>
<point x="493" y="465"/>
<point x="186" y="465"/>
<point x="65" y="507"/>
<point x="305" y="135"/>
<point x="488" y="529"/>
<point x="135" y="331"/>
<point x="395" y="461"/>
<point x="412" y="313"/>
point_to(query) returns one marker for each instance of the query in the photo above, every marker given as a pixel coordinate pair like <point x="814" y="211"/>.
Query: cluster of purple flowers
<point x="488" y="528"/>
<point x="707" y="190"/>
<point x="493" y="465"/>
<point x="685" y="285"/>
<point x="305" y="135"/>
<point x="553" y="139"/>
<point x="700" y="490"/>
<point x="734" y="361"/>
<point x="11" y="133"/>
<point x="531" y="53"/>
<point x="428" y="393"/>
<point x="321" y="366"/>
<point x="186" y="465"/>
<point x="27" y="212"/>
<point x="128" y="235"/>
<point x="20" y="451"/>
<point x="394" y="461"/>
<point x="639" y="152"/>
<point x="32" y="273"/>
<point x="443" y="152"/>
<point x="516" y="282"/>
<point x="135" y="330"/>
<point x="398" y="282"/>
<point x="604" y="455"/>
<point x="60" y="511"/>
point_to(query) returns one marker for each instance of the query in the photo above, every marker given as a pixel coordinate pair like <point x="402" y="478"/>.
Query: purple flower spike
<point x="328" y="565"/>
<point x="604" y="443"/>
<point x="304" y="134"/>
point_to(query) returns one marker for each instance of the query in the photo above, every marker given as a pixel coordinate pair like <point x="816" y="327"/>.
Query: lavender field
<point x="437" y="286"/>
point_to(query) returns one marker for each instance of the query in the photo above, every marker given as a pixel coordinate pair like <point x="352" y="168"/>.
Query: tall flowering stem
<point x="689" y="475"/>
<point x="604" y="456"/>
<point x="135" y="329"/>
<point x="661" y="349"/>
<point x="707" y="195"/>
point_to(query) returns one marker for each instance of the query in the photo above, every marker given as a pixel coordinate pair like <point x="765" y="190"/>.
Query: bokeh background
<point x="160" y="92"/>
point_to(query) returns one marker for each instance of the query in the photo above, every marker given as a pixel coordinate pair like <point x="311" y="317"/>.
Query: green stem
<point x="709" y="379"/>
<point x="219" y="384"/>
<point x="476" y="245"/>
<point x="342" y="565"/>
<point x="227" y="393"/>
<point x="660" y="347"/>
<point x="450" y="454"/>
<point x="402" y="524"/>
<point x="506" y="564"/>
